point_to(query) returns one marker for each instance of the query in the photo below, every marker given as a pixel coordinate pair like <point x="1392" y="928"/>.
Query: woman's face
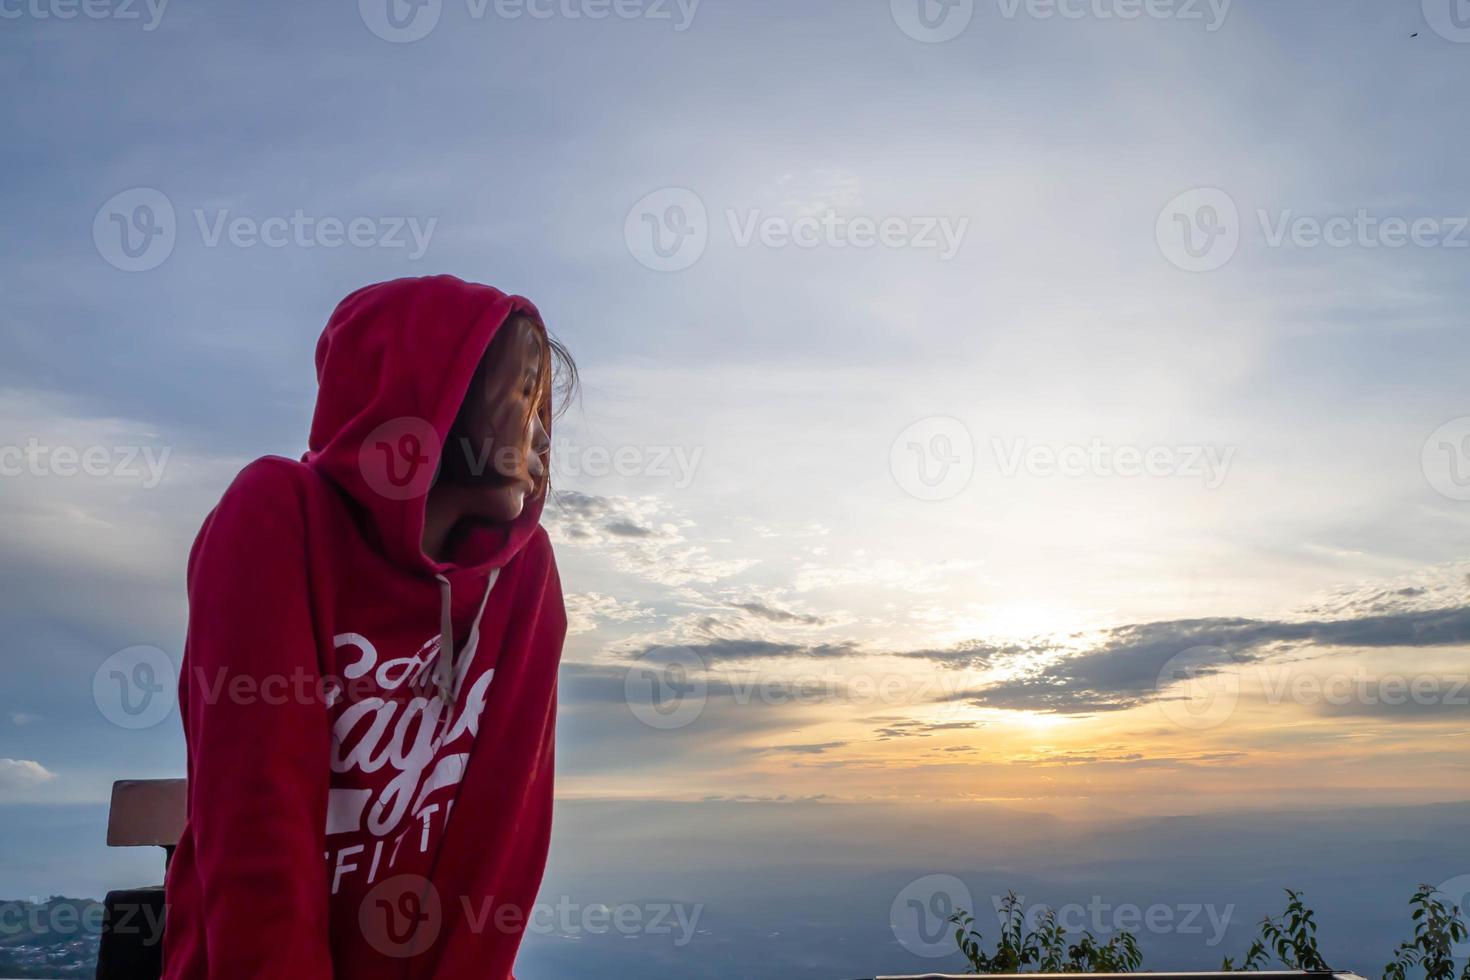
<point x="499" y="442"/>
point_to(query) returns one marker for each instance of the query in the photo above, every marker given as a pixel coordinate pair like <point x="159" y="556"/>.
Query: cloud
<point x="639" y="535"/>
<point x="614" y="743"/>
<point x="16" y="774"/>
<point x="775" y="615"/>
<point x="1437" y="587"/>
<point x="741" y="623"/>
<point x="747" y="650"/>
<point x="627" y="529"/>
<point x="1122" y="670"/>
<point x="584" y="517"/>
<point x="585" y="610"/>
<point x="809" y="748"/>
<point x="1423" y="698"/>
<point x="922" y="729"/>
<point x="1126" y="759"/>
<point x="1111" y="670"/>
<point x="974" y="654"/>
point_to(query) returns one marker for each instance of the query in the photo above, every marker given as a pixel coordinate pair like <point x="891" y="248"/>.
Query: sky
<point x="1053" y="410"/>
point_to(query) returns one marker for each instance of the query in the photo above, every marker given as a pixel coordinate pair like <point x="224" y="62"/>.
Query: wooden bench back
<point x="146" y="812"/>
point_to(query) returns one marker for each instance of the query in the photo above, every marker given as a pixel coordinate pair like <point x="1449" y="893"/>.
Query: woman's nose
<point x="540" y="440"/>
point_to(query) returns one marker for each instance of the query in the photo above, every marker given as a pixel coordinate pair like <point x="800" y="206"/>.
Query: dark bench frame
<point x="144" y="813"/>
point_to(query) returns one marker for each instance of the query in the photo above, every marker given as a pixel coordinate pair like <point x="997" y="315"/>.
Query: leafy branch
<point x="1290" y="938"/>
<point x="1046" y="947"/>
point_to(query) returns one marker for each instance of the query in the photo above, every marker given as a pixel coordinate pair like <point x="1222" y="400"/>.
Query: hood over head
<point x="393" y="367"/>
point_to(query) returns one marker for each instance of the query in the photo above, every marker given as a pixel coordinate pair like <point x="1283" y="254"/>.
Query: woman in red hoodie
<point x="369" y="681"/>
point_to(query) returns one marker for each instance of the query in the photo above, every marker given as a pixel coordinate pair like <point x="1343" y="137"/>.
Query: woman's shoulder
<point x="271" y="494"/>
<point x="262" y="510"/>
<point x="269" y="483"/>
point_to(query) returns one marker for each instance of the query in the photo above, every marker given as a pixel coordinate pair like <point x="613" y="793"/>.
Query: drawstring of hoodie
<point x="445" y="673"/>
<point x="444" y="666"/>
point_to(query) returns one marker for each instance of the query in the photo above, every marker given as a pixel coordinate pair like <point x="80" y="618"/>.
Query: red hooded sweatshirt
<point x="359" y="805"/>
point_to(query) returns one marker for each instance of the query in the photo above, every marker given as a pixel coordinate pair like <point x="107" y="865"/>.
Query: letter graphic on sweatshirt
<point x="403" y="737"/>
